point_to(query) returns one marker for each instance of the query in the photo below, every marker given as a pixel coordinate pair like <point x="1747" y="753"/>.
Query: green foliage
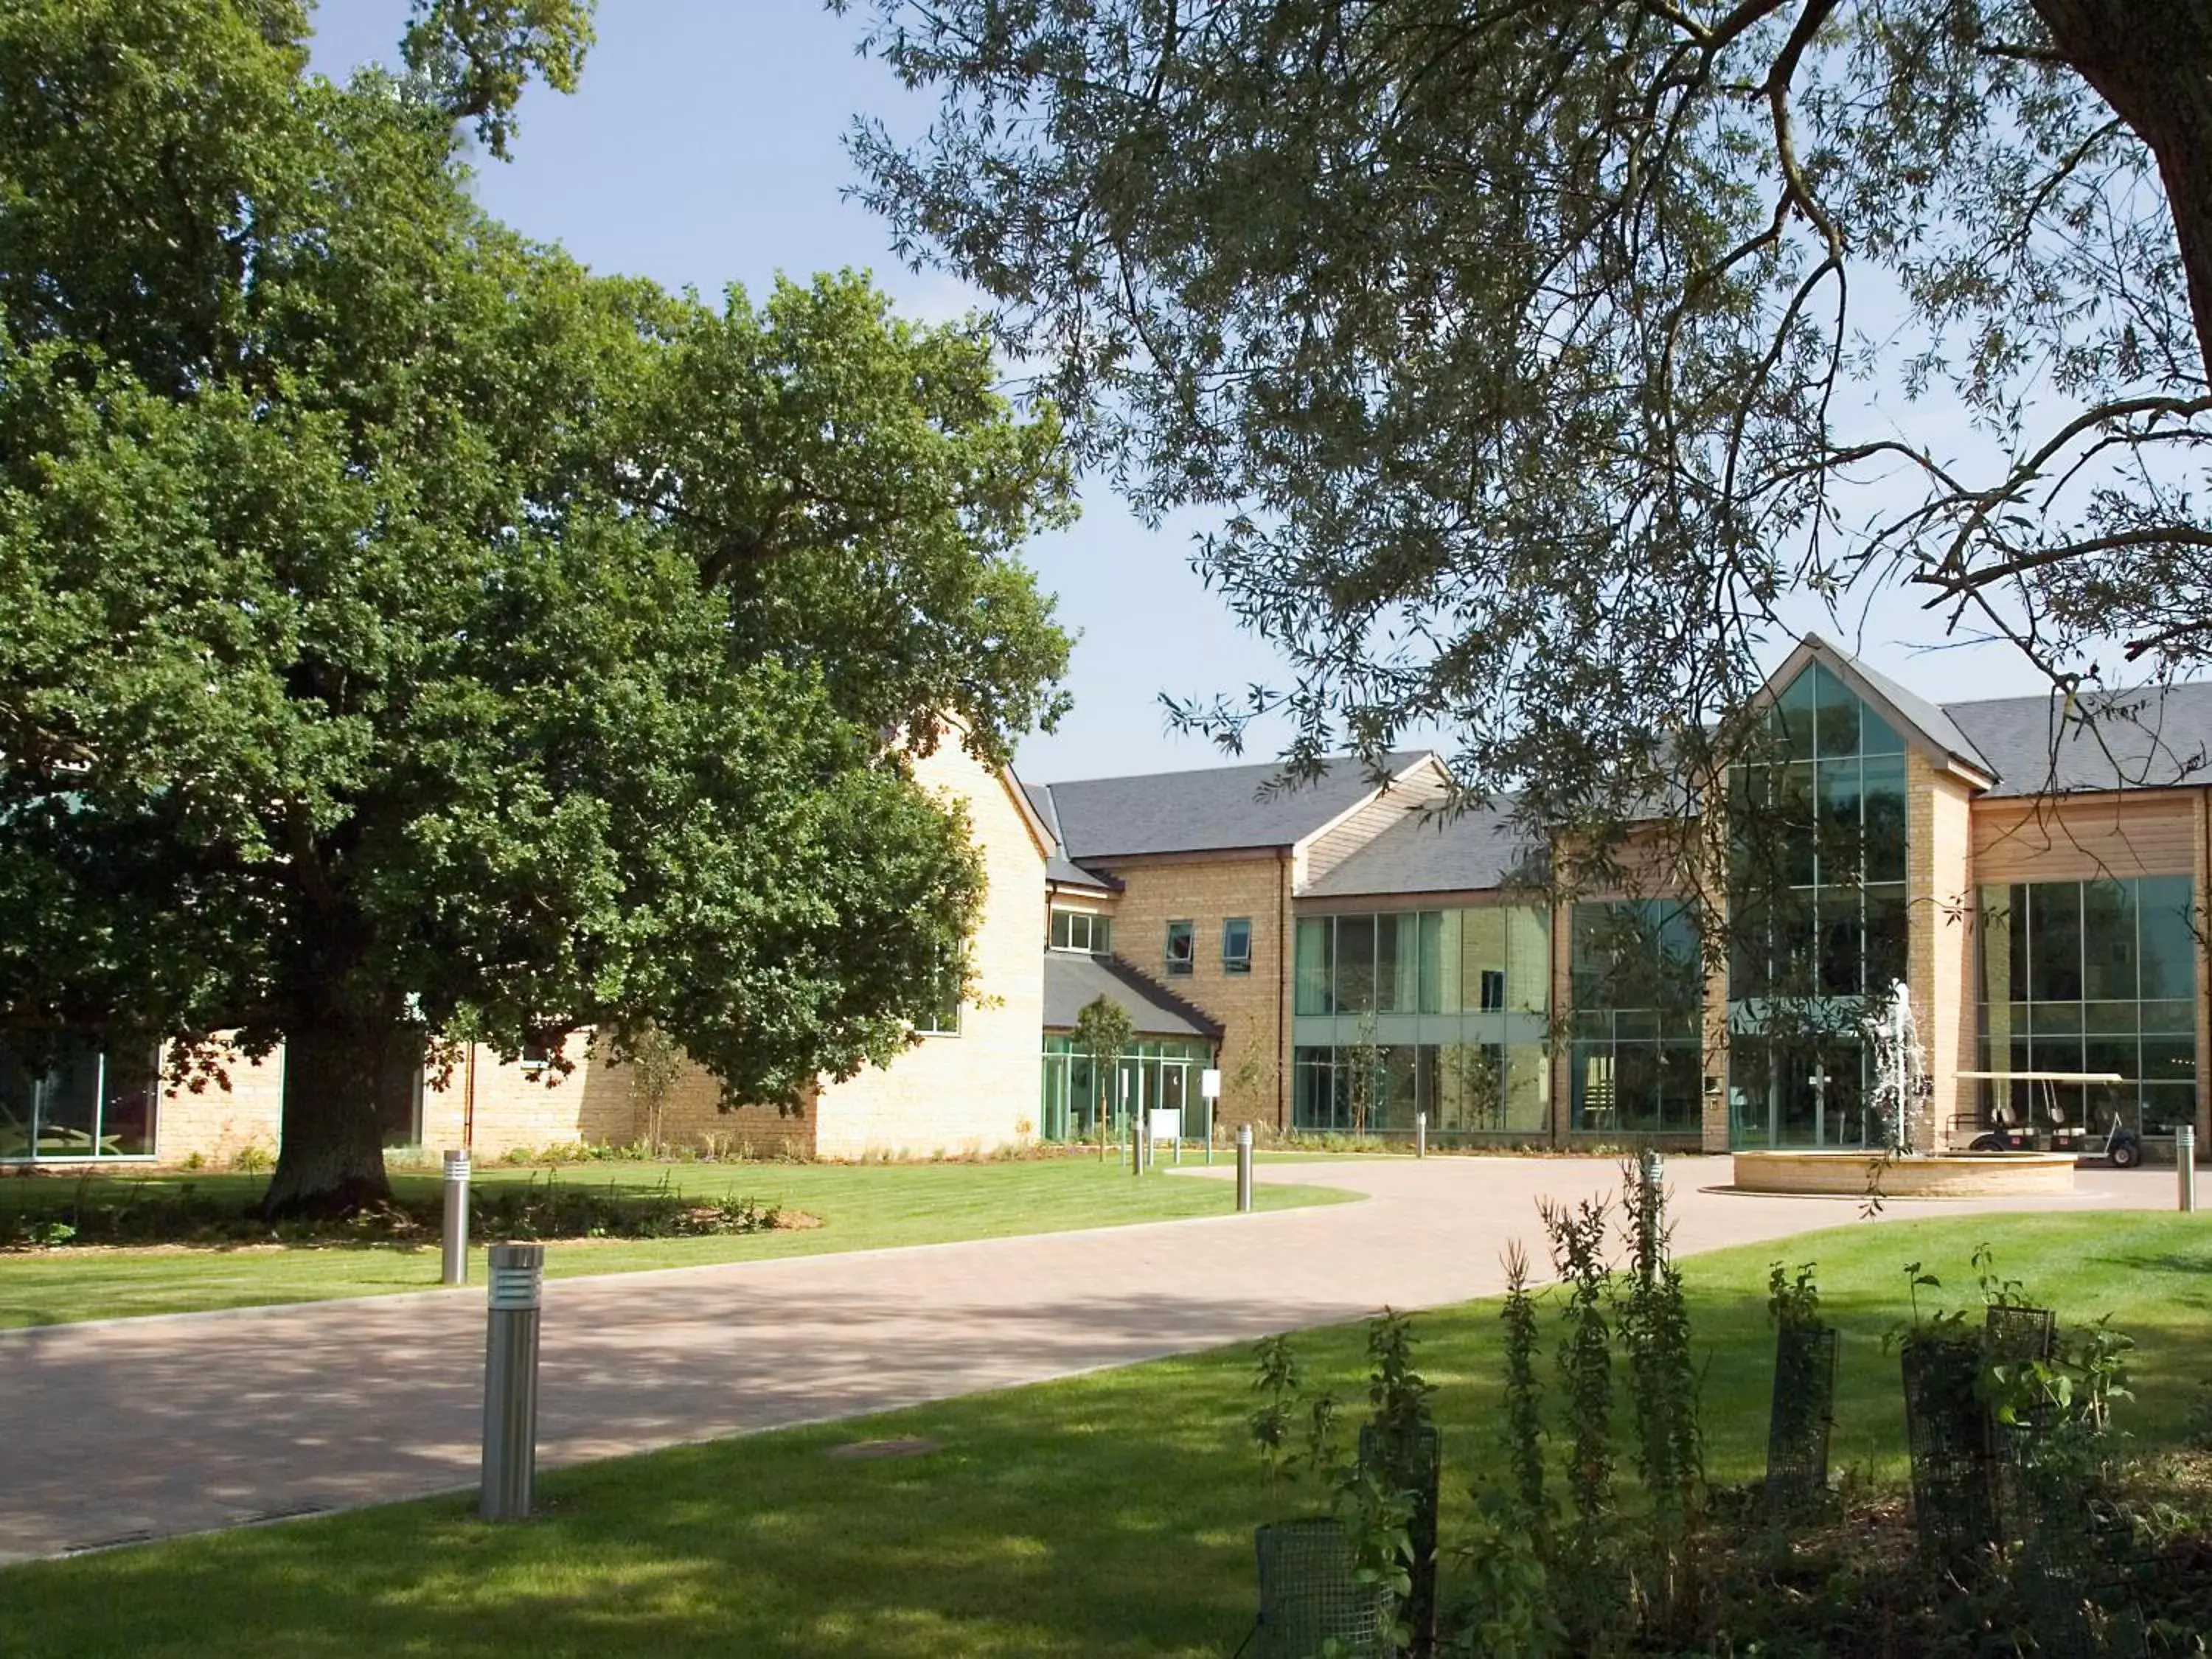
<point x="1523" y="1420"/>
<point x="1577" y="1233"/>
<point x="1526" y="349"/>
<point x="410" y="632"/>
<point x="1793" y="1301"/>
<point x="1652" y="1318"/>
<point x="545" y="1207"/>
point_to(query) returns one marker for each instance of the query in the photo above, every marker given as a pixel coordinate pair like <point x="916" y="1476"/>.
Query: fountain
<point x="1900" y="1168"/>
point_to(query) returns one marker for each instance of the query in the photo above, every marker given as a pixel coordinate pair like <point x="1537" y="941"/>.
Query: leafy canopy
<point x="404" y="629"/>
<point x="1534" y="347"/>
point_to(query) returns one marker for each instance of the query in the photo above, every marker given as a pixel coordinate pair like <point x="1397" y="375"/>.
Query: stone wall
<point x="978" y="1090"/>
<point x="1254" y="1009"/>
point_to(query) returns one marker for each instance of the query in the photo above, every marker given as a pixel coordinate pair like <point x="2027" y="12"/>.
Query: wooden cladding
<point x="2084" y="838"/>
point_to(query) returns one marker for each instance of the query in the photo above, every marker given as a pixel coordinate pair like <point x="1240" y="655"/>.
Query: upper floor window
<point x="1182" y="947"/>
<point x="1081" y="930"/>
<point x="1236" y="945"/>
<point x="940" y="1012"/>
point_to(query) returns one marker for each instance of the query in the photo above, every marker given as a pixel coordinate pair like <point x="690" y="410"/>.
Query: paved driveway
<point x="144" y="1427"/>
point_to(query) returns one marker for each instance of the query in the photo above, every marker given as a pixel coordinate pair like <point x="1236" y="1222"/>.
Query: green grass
<point x="1107" y="1515"/>
<point x="859" y="1206"/>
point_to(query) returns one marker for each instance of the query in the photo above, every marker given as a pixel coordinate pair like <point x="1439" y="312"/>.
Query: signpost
<point x="1209" y="1089"/>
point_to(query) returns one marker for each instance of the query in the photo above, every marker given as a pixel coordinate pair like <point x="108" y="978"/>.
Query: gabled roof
<point x="1073" y="980"/>
<point x="2155" y="738"/>
<point x="1059" y="868"/>
<point x="1212" y="809"/>
<point x="1468" y="852"/>
<point x="1919" y="718"/>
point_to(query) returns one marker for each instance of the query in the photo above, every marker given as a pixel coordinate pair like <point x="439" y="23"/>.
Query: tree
<point x="1536" y="349"/>
<point x="1104" y="1031"/>
<point x="410" y="633"/>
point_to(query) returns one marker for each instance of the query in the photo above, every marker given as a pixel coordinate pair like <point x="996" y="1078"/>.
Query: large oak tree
<point x="1535" y="350"/>
<point x="405" y="633"/>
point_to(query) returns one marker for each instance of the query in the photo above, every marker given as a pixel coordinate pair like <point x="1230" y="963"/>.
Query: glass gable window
<point x="2091" y="976"/>
<point x="1817" y="913"/>
<point x="1636" y="1043"/>
<point x="1441" y="1012"/>
<point x="81" y="1100"/>
<point x="1082" y="930"/>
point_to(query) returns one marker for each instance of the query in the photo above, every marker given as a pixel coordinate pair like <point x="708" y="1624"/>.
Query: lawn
<point x="859" y="1206"/>
<point x="1106" y="1516"/>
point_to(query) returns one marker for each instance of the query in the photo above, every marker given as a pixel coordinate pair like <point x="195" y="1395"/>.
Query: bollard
<point x="2184" y="1164"/>
<point x="457" y="1219"/>
<point x="1420" y="1135"/>
<point x="1243" y="1168"/>
<point x="510" y="1418"/>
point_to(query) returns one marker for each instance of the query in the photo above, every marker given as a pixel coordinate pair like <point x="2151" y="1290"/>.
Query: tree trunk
<point x="330" y="1160"/>
<point x="2151" y="60"/>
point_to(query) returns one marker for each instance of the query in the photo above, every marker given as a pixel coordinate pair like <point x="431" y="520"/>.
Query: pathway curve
<point x="145" y="1427"/>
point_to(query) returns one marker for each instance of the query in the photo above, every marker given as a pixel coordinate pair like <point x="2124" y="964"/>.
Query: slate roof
<point x="1058" y="867"/>
<point x="2148" y="739"/>
<point x="1073" y="980"/>
<point x="1211" y="810"/>
<point x="1429" y="853"/>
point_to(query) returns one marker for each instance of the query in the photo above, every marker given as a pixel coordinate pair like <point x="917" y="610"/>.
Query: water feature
<point x="1903" y="1083"/>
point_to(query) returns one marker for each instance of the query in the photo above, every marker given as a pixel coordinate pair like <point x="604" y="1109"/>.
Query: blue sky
<point x="705" y="147"/>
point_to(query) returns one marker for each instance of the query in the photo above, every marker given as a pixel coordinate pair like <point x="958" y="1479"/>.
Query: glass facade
<point x="1817" y="915"/>
<point x="1437" y="1011"/>
<point x="1637" y="1038"/>
<point x="84" y="1102"/>
<point x="2091" y="976"/>
<point x="1153" y="1072"/>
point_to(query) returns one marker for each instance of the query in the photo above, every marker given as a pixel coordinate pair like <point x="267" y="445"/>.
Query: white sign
<point x="1167" y="1123"/>
<point x="1209" y="1084"/>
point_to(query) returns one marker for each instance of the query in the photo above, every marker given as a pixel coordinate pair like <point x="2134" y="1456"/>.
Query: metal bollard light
<point x="457" y="1219"/>
<point x="1420" y="1135"/>
<point x="2185" y="1165"/>
<point x="1243" y="1168"/>
<point x="510" y="1420"/>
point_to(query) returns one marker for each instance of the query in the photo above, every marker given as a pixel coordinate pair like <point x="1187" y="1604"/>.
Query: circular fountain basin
<point x="1946" y="1175"/>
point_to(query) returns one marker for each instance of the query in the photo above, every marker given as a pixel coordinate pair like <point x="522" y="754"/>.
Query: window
<point x="2091" y="976"/>
<point x="1182" y="947"/>
<point x="76" y="1101"/>
<point x="939" y="1014"/>
<point x="1236" y="945"/>
<point x="1080" y="930"/>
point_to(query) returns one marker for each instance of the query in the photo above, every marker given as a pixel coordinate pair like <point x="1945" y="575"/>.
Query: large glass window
<point x="1636" y="1043"/>
<point x="1817" y="912"/>
<point x="77" y="1101"/>
<point x="2091" y="976"/>
<point x="1153" y="1072"/>
<point x="1441" y="1012"/>
<point x="1467" y="1089"/>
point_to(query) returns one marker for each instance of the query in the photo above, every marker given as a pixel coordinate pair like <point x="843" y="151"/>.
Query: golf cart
<point x="2120" y="1144"/>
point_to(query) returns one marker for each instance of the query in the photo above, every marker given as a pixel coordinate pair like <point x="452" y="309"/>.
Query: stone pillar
<point x="1940" y="948"/>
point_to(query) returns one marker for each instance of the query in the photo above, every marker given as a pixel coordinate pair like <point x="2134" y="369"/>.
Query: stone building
<point x="1341" y="957"/>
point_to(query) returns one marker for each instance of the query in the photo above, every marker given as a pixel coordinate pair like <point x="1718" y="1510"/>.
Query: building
<point x="2034" y="872"/>
<point x="1343" y="956"/>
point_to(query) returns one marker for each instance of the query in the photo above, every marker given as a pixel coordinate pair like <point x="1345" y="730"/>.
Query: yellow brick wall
<point x="1940" y="935"/>
<point x="1254" y="1009"/>
<point x="978" y="1091"/>
<point x="523" y="1107"/>
<point x="219" y="1121"/>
